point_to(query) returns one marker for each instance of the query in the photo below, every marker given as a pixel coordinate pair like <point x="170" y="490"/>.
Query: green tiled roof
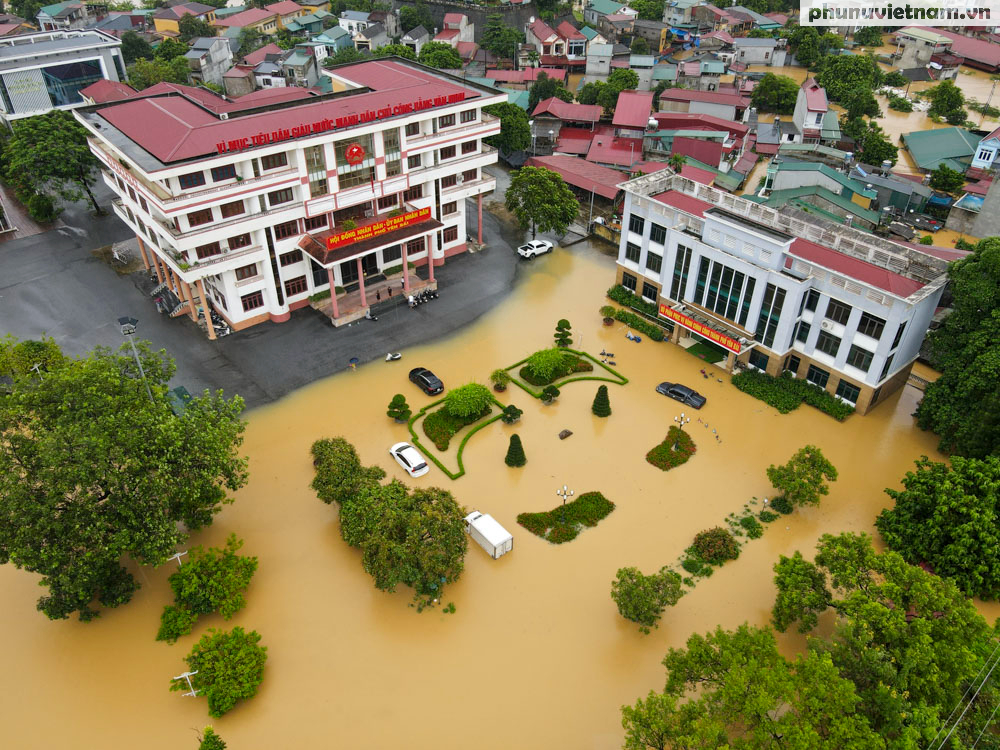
<point x="521" y="98"/>
<point x="798" y="196"/>
<point x="588" y="32"/>
<point x="605" y="7"/>
<point x="665" y="73"/>
<point x="951" y="146"/>
<point x="714" y="67"/>
<point x="811" y="166"/>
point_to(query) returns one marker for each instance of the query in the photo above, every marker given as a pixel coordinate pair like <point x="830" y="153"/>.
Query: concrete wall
<point x="987" y="223"/>
<point x="515" y="16"/>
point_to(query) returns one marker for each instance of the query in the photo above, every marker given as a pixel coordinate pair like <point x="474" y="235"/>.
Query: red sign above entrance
<point x="701" y="329"/>
<point x="331" y="123"/>
<point x="374" y="230"/>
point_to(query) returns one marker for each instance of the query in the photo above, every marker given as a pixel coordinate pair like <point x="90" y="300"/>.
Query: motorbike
<point x="393" y="356"/>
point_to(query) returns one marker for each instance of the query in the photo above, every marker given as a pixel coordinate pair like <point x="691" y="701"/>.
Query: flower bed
<point x="440" y="425"/>
<point x="572" y="364"/>
<point x="785" y="393"/>
<point x="606" y="374"/>
<point x="665" y="457"/>
<point x="564" y="523"/>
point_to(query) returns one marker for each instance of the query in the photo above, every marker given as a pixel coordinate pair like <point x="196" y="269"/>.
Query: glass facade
<point x="770" y="314"/>
<point x="682" y="265"/>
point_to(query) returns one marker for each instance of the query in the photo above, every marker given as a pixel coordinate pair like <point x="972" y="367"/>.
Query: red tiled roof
<point x="994" y="134"/>
<point x="944" y="253"/>
<point x="691" y="69"/>
<point x="702" y="176"/>
<point x="606" y="149"/>
<point x="746" y="162"/>
<point x="284" y="7"/>
<point x="568" y="110"/>
<point x="454" y="17"/>
<point x="258" y="55"/>
<point x="707" y="152"/>
<point x="855" y="268"/>
<point x="978" y="50"/>
<point x="620" y="17"/>
<point x="542" y="30"/>
<point x="719" y="35"/>
<point x="446" y="34"/>
<point x="246" y="18"/>
<point x="466" y="50"/>
<point x="648" y="167"/>
<point x="713" y="10"/>
<point x="204" y="97"/>
<point x="582" y="174"/>
<point x="238" y="71"/>
<point x="633" y="110"/>
<point x="264" y="97"/>
<point x="575" y="141"/>
<point x="568" y="31"/>
<point x="979" y="188"/>
<point x="777" y="17"/>
<point x="6" y="28"/>
<point x="815" y="96"/>
<point x="621" y="62"/>
<point x="712" y="97"/>
<point x="695" y="121"/>
<point x="107" y="91"/>
<point x="687" y="203"/>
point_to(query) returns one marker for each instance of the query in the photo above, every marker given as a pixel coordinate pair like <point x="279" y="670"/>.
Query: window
<point x="848" y="392"/>
<point x="838" y="312"/>
<point x="636" y="224"/>
<point x="415" y="246"/>
<point x="470" y="175"/>
<point x="468" y="115"/>
<point x="653" y="262"/>
<point x="450" y="234"/>
<point x="628" y="281"/>
<point x="899" y="335"/>
<point x="413" y="162"/>
<point x="276" y="197"/>
<point x="286" y="259"/>
<point x="875" y="395"/>
<point x="770" y="314"/>
<point x="860" y="358"/>
<point x="388" y="202"/>
<point x="827" y="343"/>
<point x="758" y="359"/>
<point x="802" y="331"/>
<point x="468" y="147"/>
<point x="869" y="325"/>
<point x="632" y="252"/>
<point x="792" y="364"/>
<point x="817" y="376"/>
<point x="811" y="299"/>
<point x="207" y="251"/>
<point x="317" y="222"/>
<point x="413" y="128"/>
<point x="649" y="291"/>
<point x="240" y="240"/>
<point x="390" y="140"/>
<point x="131" y="194"/>
<point x="658" y="234"/>
<point x="449" y="208"/>
<point x="393" y="168"/>
<point x="232" y="209"/>
<point x="192" y="180"/>
<point x="288" y="229"/>
<point x="417" y="191"/>
<point x="296" y="286"/>
<point x="142" y="202"/>
<point x="885" y="370"/>
<point x="246" y="272"/>
<point x="449" y="181"/>
<point x="273" y="162"/>
<point x="682" y="265"/>
<point x="318" y="187"/>
<point x="448" y="152"/>
<point x="985" y="154"/>
<point x="252" y="301"/>
<point x="391" y="254"/>
<point x="446" y="121"/>
<point x="197" y="218"/>
<point x="227" y="172"/>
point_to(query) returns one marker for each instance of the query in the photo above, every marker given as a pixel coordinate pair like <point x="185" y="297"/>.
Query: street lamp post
<point x="552" y="140"/>
<point x="128" y="331"/>
<point x="564" y="493"/>
<point x="681" y="421"/>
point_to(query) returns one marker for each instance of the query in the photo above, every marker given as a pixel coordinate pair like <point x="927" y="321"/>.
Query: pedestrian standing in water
<point x="390" y="290"/>
<point x="378" y="296"/>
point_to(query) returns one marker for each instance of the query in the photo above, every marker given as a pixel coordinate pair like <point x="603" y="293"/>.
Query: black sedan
<point x="429" y="382"/>
<point x="681" y="393"/>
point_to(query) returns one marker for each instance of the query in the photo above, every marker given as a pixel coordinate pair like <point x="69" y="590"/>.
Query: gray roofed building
<point x="210" y="58"/>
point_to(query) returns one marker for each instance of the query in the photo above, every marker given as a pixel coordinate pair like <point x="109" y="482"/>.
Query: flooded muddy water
<point x="536" y="655"/>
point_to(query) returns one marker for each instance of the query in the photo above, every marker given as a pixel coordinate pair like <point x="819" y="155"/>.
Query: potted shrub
<point x="608" y="313"/>
<point x="399" y="409"/>
<point x="511" y="415"/>
<point x="549" y="394"/>
<point x="500" y="379"/>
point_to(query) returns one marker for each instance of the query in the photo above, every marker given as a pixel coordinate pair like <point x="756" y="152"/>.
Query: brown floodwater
<point x="536" y="655"/>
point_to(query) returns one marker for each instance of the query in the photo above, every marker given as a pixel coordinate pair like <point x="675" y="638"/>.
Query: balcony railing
<point x="201" y="228"/>
<point x="489" y="183"/>
<point x="227" y="255"/>
<point x="418" y="140"/>
<point x="157" y="190"/>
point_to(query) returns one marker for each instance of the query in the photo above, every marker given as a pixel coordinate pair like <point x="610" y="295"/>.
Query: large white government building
<point x="253" y="205"/>
<point x="843" y="309"/>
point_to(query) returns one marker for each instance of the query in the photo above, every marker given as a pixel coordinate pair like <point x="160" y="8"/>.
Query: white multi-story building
<point x="843" y="309"/>
<point x="252" y="206"/>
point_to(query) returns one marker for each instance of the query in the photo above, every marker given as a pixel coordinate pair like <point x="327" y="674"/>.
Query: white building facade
<point x="252" y="212"/>
<point x="844" y="310"/>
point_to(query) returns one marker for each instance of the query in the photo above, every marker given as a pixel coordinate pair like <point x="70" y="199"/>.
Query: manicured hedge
<point x="623" y="296"/>
<point x="572" y="365"/>
<point x="613" y="376"/>
<point x="461" y="446"/>
<point x="716" y="545"/>
<point x="785" y="393"/>
<point x="440" y="425"/>
<point x="640" y="324"/>
<point x="665" y="457"/>
<point x="564" y="523"/>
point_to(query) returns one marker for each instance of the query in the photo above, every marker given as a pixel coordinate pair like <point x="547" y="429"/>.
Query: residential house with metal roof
<point x="257" y="19"/>
<point x="209" y="59"/>
<point x="416" y="38"/>
<point x="167" y="20"/>
<point x="953" y="147"/>
<point x="594" y="10"/>
<point x="70" y="15"/>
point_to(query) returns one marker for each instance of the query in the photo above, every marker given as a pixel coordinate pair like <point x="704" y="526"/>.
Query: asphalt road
<point x="54" y="284"/>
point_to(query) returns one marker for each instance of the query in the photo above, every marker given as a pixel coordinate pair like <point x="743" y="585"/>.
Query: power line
<point x="971" y="701"/>
<point x="985" y="726"/>
<point x="964" y="695"/>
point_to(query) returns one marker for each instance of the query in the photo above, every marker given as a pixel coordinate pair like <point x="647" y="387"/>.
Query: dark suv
<point x="681" y="393"/>
<point x="429" y="382"/>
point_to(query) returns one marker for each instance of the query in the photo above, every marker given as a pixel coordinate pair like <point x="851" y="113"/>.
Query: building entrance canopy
<point x="729" y="337"/>
<point x="317" y="246"/>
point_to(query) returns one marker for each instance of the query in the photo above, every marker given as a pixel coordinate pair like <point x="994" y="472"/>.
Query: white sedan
<point x="533" y="248"/>
<point x="410" y="459"/>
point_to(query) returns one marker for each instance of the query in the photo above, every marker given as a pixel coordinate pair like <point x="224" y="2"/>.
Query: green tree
<point x="210" y="740"/>
<point x="641" y="598"/>
<point x="895" y="79"/>
<point x="398" y="408"/>
<point x="943" y="515"/>
<point x="468" y="401"/>
<point x="399" y="50"/>
<point x="545" y="88"/>
<point x="18" y="358"/>
<point x="591" y="92"/>
<point x="842" y="74"/>
<point x="145" y="73"/>
<point x="440" y="55"/>
<point x="540" y="199"/>
<point x="549" y="394"/>
<point x="963" y="405"/>
<point x="677" y="162"/>
<point x="191" y="27"/>
<point x="871" y="144"/>
<point x="515" y="452"/>
<point x="563" y="337"/>
<point x="252" y="38"/>
<point x="801" y="480"/>
<point x="602" y="405"/>
<point x="649" y="10"/>
<point x="499" y="38"/>
<point x="229" y="666"/>
<point x="639" y="46"/>
<point x="868" y="36"/>
<point x="339" y="473"/>
<point x="344" y="55"/>
<point x="515" y="133"/>
<point x="50" y="151"/>
<point x="546" y="364"/>
<point x="411" y="16"/>
<point x="134" y="47"/>
<point x="26" y="9"/>
<point x="775" y="93"/>
<point x="900" y="103"/>
<point x="92" y="471"/>
<point x="945" y="99"/>
<point x="359" y="514"/>
<point x="621" y="79"/>
<point x="170" y="49"/>
<point x="660" y="88"/>
<point x="946" y="179"/>
<point x="908" y="640"/>
<point x="860" y="102"/>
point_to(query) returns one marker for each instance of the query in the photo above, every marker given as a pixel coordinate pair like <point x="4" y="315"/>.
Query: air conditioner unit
<point x="826" y="325"/>
<point x="369" y="214"/>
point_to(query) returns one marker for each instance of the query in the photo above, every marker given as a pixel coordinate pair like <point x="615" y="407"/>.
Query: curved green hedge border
<point x="461" y="445"/>
<point x="618" y="378"/>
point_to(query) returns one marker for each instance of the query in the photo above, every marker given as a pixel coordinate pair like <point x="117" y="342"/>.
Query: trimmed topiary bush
<point x="544" y="366"/>
<point x="511" y="414"/>
<point x="515" y="452"/>
<point x="564" y="523"/>
<point x="398" y="408"/>
<point x="602" y="405"/>
<point x="562" y="336"/>
<point x="549" y="394"/>
<point x="469" y="400"/>
<point x="717" y="545"/>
